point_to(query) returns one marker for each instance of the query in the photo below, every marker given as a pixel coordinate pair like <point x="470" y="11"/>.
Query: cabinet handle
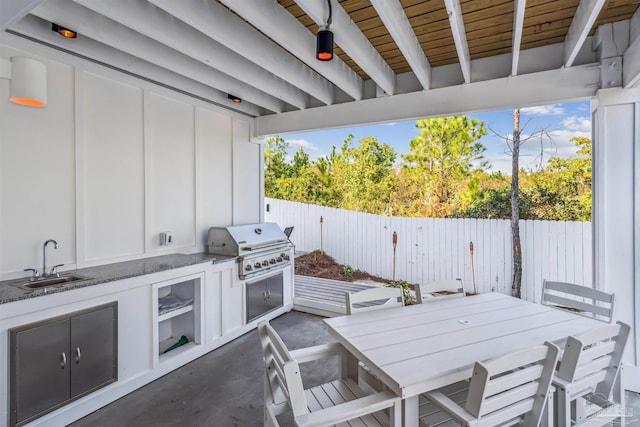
<point x="78" y="355"/>
<point x="63" y="360"/>
<point x="268" y="294"/>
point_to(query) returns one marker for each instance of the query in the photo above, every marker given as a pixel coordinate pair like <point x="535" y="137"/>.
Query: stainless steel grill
<point x="261" y="248"/>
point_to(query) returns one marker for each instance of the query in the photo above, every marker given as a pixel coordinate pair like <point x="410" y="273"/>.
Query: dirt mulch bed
<point x="318" y="264"/>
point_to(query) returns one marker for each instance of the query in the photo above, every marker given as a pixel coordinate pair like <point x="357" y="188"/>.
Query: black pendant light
<point x="324" y="41"/>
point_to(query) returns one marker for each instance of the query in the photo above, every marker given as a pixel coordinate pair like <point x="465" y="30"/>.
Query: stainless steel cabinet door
<point x="274" y="292"/>
<point x="40" y="369"/>
<point x="93" y="350"/>
<point x="256" y="299"/>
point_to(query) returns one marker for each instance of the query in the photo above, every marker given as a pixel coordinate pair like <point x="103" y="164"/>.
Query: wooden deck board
<point x="324" y="297"/>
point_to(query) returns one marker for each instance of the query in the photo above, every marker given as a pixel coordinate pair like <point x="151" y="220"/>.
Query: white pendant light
<point x="28" y="82"/>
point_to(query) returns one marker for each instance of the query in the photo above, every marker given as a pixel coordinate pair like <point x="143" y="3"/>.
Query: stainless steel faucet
<point x="44" y="255"/>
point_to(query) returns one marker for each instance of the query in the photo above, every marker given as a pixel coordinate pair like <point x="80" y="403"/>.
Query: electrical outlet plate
<point x="166" y="238"/>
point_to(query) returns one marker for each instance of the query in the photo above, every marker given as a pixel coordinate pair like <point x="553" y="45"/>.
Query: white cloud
<point x="576" y="123"/>
<point x="544" y="110"/>
<point x="302" y="143"/>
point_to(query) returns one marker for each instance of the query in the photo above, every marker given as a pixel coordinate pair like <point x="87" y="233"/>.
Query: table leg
<point x="349" y="365"/>
<point x="410" y="411"/>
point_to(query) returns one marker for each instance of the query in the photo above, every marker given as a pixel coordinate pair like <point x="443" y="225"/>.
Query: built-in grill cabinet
<point x="264" y="295"/>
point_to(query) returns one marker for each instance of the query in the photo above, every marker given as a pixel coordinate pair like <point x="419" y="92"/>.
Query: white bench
<point x="323" y="297"/>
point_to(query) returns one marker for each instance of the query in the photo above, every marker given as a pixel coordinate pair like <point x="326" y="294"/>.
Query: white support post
<point x="616" y="218"/>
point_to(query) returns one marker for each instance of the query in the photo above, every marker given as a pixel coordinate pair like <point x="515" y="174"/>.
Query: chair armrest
<point x="349" y="410"/>
<point x="559" y="383"/>
<point x="316" y="352"/>
<point x="450" y="407"/>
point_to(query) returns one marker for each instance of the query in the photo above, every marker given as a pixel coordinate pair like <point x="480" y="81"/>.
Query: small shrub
<point x="347" y="270"/>
<point x="406" y="292"/>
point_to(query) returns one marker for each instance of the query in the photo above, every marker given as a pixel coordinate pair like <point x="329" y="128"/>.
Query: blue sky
<point x="561" y="121"/>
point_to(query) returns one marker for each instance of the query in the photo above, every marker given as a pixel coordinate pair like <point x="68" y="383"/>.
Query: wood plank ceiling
<point x="488" y="26"/>
<point x="263" y="50"/>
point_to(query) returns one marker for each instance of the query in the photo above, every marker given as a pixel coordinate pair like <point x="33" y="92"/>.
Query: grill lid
<point x="241" y="239"/>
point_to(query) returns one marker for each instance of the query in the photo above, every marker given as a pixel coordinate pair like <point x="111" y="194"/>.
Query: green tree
<point x="275" y="165"/>
<point x="363" y="175"/>
<point x="562" y="190"/>
<point x="442" y="157"/>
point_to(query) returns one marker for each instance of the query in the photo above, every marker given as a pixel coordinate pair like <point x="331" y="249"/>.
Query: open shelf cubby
<point x="178" y="315"/>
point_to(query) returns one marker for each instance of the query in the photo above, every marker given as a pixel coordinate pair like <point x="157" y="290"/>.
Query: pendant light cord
<point x="329" y="20"/>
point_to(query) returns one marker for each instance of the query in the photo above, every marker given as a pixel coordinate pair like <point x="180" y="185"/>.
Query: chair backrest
<point x="581" y="299"/>
<point x="282" y="371"/>
<point x="512" y="386"/>
<point x="454" y="289"/>
<point x="592" y="359"/>
<point x="373" y="299"/>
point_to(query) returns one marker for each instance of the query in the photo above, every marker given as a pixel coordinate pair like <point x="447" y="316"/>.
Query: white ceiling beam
<point x="226" y="28"/>
<point x="518" y="23"/>
<point x="348" y="36"/>
<point x="631" y="57"/>
<point x="84" y="47"/>
<point x="278" y="24"/>
<point x="12" y="11"/>
<point x="583" y="20"/>
<point x="460" y="37"/>
<point x="156" y="24"/>
<point x="541" y="88"/>
<point x="395" y="20"/>
<point x="98" y="27"/>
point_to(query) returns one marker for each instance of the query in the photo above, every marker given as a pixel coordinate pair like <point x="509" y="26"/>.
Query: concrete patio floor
<point x="222" y="388"/>
<point x="225" y="387"/>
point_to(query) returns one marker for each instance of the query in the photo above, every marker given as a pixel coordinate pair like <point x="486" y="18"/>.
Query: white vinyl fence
<point x="432" y="248"/>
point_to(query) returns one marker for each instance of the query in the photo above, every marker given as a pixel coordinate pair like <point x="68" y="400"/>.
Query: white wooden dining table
<point x="422" y="347"/>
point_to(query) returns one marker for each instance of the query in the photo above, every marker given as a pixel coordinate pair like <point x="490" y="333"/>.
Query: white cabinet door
<point x="220" y="274"/>
<point x="232" y="301"/>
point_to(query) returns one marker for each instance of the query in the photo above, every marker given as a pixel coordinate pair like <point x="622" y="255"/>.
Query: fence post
<point x="394" y="240"/>
<point x="321" y="248"/>
<point x="473" y="273"/>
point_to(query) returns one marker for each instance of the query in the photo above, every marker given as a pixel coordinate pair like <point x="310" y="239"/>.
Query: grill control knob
<point x="272" y="261"/>
<point x="248" y="267"/>
<point x="265" y="263"/>
<point x="279" y="259"/>
<point x="257" y="265"/>
<point x="286" y="257"/>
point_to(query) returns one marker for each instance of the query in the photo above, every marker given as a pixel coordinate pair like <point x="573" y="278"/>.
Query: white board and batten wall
<point x="112" y="162"/>
<point x="108" y="165"/>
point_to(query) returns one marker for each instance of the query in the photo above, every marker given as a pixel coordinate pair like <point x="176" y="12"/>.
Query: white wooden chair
<point x="580" y="299"/>
<point x="373" y="299"/>
<point x="368" y="300"/>
<point x="588" y="370"/>
<point x="324" y="405"/>
<point x="512" y="389"/>
<point x="451" y="289"/>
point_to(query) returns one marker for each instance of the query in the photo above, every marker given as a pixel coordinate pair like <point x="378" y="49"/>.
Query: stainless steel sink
<point x="51" y="281"/>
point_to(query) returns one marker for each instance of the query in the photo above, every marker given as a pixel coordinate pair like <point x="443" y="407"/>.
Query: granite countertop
<point x="12" y="290"/>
